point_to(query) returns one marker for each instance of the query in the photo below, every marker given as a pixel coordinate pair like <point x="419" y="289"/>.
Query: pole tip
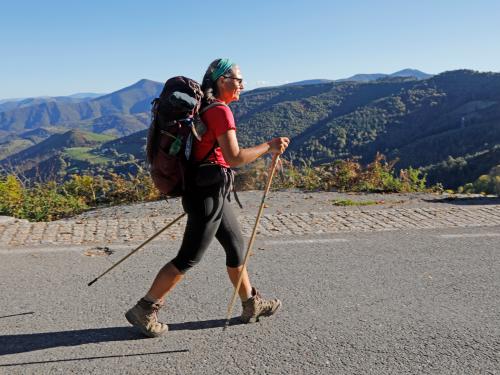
<point x="93" y="281"/>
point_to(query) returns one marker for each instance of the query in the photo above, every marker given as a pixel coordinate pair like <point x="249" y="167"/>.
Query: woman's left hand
<point x="278" y="145"/>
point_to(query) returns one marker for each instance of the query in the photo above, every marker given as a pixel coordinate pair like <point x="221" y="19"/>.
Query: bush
<point x="86" y="187"/>
<point x="52" y="201"/>
<point x="485" y="184"/>
<point x="46" y="203"/>
<point x="342" y="175"/>
<point x="139" y="188"/>
<point x="11" y="195"/>
<point x="40" y="202"/>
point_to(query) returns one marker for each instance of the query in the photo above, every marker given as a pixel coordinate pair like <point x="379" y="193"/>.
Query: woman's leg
<point x="204" y="217"/>
<point x="230" y="237"/>
<point x="245" y="291"/>
<point x="165" y="280"/>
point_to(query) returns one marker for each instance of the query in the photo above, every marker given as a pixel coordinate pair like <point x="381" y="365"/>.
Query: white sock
<point x="249" y="295"/>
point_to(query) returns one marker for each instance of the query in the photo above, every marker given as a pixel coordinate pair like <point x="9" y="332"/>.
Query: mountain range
<point x="119" y="113"/>
<point x="447" y="124"/>
<point x="103" y="113"/>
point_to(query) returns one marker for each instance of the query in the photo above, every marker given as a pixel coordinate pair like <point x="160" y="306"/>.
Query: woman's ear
<point x="219" y="82"/>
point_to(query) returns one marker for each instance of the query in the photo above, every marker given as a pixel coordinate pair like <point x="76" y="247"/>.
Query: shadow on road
<point x="464" y="201"/>
<point x="203" y="324"/>
<point x="91" y="358"/>
<point x="12" y="344"/>
<point x="19" y="314"/>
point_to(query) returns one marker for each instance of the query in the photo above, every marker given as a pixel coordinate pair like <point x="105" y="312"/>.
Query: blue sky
<point x="56" y="47"/>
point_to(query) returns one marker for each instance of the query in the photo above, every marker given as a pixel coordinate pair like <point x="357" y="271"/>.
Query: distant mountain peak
<point x="374" y="76"/>
<point x="144" y="87"/>
<point x="411" y="73"/>
<point x="140" y="84"/>
<point x="144" y="82"/>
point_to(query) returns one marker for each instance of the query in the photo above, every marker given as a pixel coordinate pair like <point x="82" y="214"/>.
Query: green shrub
<point x="40" y="202"/>
<point x="52" y="201"/>
<point x="485" y="184"/>
<point x="137" y="188"/>
<point x="342" y="175"/>
<point x="46" y="203"/>
<point x="86" y="187"/>
<point x="11" y="195"/>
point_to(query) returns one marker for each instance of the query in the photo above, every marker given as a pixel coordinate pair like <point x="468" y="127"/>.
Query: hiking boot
<point x="144" y="316"/>
<point x="256" y="307"/>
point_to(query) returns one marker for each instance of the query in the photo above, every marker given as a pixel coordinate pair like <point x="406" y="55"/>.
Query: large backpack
<point x="175" y="123"/>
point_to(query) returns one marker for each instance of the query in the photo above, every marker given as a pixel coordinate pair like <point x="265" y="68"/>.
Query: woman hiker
<point x="208" y="209"/>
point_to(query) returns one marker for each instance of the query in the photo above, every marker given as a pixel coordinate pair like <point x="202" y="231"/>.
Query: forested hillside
<point x="448" y="125"/>
<point x="420" y="122"/>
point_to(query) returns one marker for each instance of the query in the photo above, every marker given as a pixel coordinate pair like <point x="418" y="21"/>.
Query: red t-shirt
<point x="218" y="120"/>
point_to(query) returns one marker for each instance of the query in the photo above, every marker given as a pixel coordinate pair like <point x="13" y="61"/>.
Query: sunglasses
<point x="239" y="80"/>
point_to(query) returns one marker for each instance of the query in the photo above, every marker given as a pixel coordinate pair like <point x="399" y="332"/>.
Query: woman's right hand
<point x="278" y="145"/>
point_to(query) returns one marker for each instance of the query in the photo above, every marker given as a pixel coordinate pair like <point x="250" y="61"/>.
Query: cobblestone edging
<point x="112" y="231"/>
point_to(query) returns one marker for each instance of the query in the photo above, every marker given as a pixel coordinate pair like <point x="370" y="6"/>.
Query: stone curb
<point x="102" y="232"/>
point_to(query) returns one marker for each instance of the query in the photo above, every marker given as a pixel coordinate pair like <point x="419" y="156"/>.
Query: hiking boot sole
<point x="132" y="320"/>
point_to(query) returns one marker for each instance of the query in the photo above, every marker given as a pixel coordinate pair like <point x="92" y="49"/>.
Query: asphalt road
<point x="398" y="302"/>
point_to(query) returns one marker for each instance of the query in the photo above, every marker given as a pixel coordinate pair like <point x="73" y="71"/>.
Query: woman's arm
<point x="236" y="156"/>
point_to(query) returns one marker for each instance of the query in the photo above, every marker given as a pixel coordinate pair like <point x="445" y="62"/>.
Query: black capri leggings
<point x="209" y="215"/>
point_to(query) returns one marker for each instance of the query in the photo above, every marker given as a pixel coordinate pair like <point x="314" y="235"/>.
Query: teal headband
<point x="222" y="67"/>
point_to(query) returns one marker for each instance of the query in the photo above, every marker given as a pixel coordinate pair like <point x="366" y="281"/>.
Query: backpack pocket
<point x="167" y="173"/>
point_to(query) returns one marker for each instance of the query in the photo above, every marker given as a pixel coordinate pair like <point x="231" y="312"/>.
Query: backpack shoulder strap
<point x="215" y="104"/>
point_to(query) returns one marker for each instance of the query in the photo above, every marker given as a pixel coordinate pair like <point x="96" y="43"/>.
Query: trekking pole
<point x="138" y="248"/>
<point x="252" y="238"/>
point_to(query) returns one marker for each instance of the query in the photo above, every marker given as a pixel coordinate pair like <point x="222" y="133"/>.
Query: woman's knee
<point x="184" y="265"/>
<point x="172" y="268"/>
<point x="235" y="257"/>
